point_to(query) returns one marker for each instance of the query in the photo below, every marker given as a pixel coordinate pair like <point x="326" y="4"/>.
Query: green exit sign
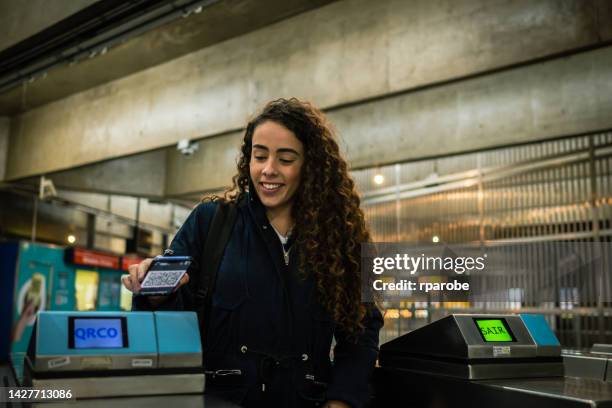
<point x="494" y="330"/>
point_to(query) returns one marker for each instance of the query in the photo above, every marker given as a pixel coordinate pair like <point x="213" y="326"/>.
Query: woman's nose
<point x="269" y="169"/>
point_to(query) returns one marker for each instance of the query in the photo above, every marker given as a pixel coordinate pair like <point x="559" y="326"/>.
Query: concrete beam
<point x="603" y="11"/>
<point x="209" y="169"/>
<point x="218" y="22"/>
<point x="21" y="19"/>
<point x="561" y="97"/>
<point x="4" y="142"/>
<point x="160" y="174"/>
<point x="360" y="49"/>
<point x="141" y="175"/>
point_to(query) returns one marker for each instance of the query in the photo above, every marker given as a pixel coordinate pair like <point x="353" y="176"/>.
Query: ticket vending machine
<point x="111" y="354"/>
<point x="482" y="360"/>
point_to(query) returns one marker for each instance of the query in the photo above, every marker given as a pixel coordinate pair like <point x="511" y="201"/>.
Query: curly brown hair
<point x="329" y="224"/>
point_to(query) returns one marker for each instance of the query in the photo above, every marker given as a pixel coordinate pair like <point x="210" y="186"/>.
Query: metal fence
<point x="535" y="195"/>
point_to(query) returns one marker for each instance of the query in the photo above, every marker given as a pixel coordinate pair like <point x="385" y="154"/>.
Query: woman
<point x="289" y="280"/>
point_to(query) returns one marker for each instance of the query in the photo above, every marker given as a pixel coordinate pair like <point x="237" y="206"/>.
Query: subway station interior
<point x="472" y="122"/>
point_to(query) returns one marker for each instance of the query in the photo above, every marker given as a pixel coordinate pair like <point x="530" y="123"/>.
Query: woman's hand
<point x="137" y="274"/>
<point x="336" y="404"/>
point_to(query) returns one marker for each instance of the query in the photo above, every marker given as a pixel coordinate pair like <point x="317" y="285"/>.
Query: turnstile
<point x="482" y="360"/>
<point x="477" y="347"/>
<point x="595" y="364"/>
<point x="111" y="354"/>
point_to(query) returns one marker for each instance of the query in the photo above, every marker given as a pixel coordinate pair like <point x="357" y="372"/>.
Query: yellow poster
<point x="86" y="289"/>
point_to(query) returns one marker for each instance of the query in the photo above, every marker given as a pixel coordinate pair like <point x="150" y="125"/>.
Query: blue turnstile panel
<point x="168" y="324"/>
<point x="86" y="341"/>
<point x="540" y="330"/>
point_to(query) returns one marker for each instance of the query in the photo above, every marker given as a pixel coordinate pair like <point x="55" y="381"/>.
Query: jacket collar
<point x="256" y="207"/>
<point x="258" y="212"/>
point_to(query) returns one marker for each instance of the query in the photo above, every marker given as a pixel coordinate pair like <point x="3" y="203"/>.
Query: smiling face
<point x="275" y="167"/>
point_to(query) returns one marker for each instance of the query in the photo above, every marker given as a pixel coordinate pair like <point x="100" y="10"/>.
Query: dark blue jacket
<point x="266" y="322"/>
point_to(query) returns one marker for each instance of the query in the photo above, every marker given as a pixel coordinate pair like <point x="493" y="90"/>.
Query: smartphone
<point x="164" y="275"/>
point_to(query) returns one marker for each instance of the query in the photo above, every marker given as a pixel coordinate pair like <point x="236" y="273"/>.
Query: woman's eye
<point x="286" y="159"/>
<point x="260" y="158"/>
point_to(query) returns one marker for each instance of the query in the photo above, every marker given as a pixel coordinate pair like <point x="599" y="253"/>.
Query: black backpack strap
<point x="214" y="246"/>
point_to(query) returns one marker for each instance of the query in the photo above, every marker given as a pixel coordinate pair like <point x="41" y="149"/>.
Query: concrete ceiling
<point x="20" y="20"/>
<point x="218" y="22"/>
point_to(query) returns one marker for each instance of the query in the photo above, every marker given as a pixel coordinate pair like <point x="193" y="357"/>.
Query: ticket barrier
<point x="596" y="363"/>
<point x="111" y="354"/>
<point x="482" y="360"/>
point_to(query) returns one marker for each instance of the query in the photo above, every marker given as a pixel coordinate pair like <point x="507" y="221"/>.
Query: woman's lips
<point x="270" y="188"/>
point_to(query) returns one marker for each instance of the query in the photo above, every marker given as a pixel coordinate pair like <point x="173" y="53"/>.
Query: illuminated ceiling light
<point x="379" y="179"/>
<point x="71" y="239"/>
<point x="435" y="239"/>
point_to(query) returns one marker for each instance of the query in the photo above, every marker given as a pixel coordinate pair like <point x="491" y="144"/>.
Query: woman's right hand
<point x="137" y="273"/>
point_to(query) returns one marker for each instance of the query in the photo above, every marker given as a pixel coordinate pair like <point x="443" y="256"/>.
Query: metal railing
<point x="534" y="195"/>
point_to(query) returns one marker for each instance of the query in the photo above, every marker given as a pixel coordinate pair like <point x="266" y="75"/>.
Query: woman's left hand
<point x="336" y="404"/>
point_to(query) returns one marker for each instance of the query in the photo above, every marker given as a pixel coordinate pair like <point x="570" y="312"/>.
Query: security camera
<point x="186" y="147"/>
<point x="46" y="188"/>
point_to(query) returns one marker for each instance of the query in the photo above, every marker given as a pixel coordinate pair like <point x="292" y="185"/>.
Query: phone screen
<point x="164" y="274"/>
